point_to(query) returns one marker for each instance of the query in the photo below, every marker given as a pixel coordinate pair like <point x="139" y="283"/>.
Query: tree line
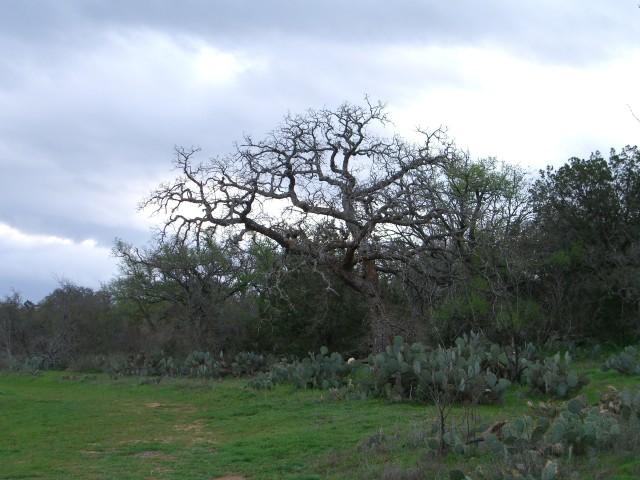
<point x="329" y="231"/>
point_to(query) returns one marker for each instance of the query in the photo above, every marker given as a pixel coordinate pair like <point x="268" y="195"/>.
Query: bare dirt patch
<point x="93" y="453"/>
<point x="182" y="408"/>
<point x="148" y="454"/>
<point x="195" y="432"/>
<point x="195" y="427"/>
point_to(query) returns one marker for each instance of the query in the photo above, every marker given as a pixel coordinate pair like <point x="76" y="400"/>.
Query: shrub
<point x="402" y="371"/>
<point x="141" y="364"/>
<point x="395" y="372"/>
<point x="34" y="364"/>
<point x="119" y="365"/>
<point x="6" y="362"/>
<point x="281" y="372"/>
<point x="462" y="375"/>
<point x="573" y="429"/>
<point x="529" y="447"/>
<point x="159" y="365"/>
<point x="510" y="362"/>
<point x="538" y="446"/>
<point x="262" y="381"/>
<point x="625" y="403"/>
<point x="248" y="363"/>
<point x="201" y="365"/>
<point x="320" y="371"/>
<point x="527" y="465"/>
<point x="89" y="364"/>
<point x="579" y="429"/>
<point x="626" y="362"/>
<point x="414" y="372"/>
<point x="553" y="376"/>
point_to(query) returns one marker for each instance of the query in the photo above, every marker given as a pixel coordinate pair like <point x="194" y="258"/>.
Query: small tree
<point x="71" y="320"/>
<point x="325" y="187"/>
<point x="9" y="317"/>
<point x="188" y="283"/>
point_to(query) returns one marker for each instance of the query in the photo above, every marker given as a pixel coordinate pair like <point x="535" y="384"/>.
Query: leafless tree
<point x="325" y="186"/>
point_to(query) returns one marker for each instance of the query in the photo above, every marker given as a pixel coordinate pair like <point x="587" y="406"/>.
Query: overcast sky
<point x="94" y="94"/>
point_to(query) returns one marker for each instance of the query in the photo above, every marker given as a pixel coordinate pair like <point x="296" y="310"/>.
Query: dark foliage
<point x="393" y="239"/>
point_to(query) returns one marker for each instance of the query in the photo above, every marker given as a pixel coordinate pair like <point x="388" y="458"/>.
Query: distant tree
<point x="70" y="321"/>
<point x="10" y="308"/>
<point x="187" y="283"/>
<point x="325" y="187"/>
<point x="588" y="231"/>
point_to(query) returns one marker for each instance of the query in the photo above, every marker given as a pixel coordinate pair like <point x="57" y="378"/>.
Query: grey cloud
<point x="93" y="94"/>
<point x="570" y="30"/>
<point x="79" y="127"/>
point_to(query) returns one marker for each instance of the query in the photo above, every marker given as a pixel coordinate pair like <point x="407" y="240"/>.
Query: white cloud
<point x="214" y="67"/>
<point x="12" y="237"/>
<point x="525" y="111"/>
<point x="33" y="263"/>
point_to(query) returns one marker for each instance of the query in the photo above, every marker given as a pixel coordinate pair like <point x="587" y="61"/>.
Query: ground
<point x="61" y="425"/>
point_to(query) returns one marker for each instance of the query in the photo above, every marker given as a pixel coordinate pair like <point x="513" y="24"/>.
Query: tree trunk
<point x="379" y="325"/>
<point x="379" y="322"/>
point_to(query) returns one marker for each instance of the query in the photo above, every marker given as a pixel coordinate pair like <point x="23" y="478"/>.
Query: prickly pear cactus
<point x="626" y="362"/>
<point x="554" y="376"/>
<point x="321" y="371"/>
<point x="201" y="365"/>
<point x="248" y="363"/>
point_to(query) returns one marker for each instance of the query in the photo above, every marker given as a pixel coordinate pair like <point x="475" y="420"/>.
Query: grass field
<point x="61" y="425"/>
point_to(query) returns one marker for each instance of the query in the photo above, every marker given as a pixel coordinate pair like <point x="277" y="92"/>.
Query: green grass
<point x="71" y="426"/>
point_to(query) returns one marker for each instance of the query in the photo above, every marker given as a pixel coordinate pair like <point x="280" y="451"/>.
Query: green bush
<point x="574" y="429"/>
<point x="527" y="465"/>
<point x="458" y="370"/>
<point x="553" y="376"/>
<point x="141" y="364"/>
<point x="546" y="444"/>
<point x="317" y="370"/>
<point x="89" y="364"/>
<point x="626" y="362"/>
<point x="159" y="365"/>
<point x="395" y="372"/>
<point x="34" y="364"/>
<point x="248" y="363"/>
<point x="201" y="365"/>
<point x="531" y="447"/>
<point x="262" y="381"/>
<point x="510" y="362"/>
<point x="320" y="371"/>
<point x="625" y="403"/>
<point x="579" y="428"/>
<point x="402" y="371"/>
<point x="406" y="371"/>
<point x="281" y="372"/>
